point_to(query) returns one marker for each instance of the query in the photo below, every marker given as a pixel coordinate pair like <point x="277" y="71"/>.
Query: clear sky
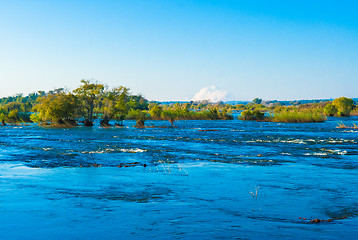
<point x="176" y="49"/>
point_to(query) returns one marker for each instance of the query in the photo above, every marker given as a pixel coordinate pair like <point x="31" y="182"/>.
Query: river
<point x="201" y="180"/>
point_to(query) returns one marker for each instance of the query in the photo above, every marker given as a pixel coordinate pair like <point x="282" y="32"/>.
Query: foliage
<point x="94" y="100"/>
<point x="298" y="116"/>
<point x="3" y="116"/>
<point x="330" y="110"/>
<point x="139" y="115"/>
<point x="2" y="119"/>
<point x="183" y="111"/>
<point x="252" y="115"/>
<point x="113" y="105"/>
<point x="137" y="102"/>
<point x="171" y="115"/>
<point x="36" y="118"/>
<point x="89" y="95"/>
<point x="23" y="104"/>
<point x="354" y="112"/>
<point x="57" y="108"/>
<point x="257" y="100"/>
<point x="224" y="115"/>
<point x="344" y="106"/>
<point x="155" y="110"/>
<point x="13" y="114"/>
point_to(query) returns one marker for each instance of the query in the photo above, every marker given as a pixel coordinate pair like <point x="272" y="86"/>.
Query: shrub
<point x="295" y="116"/>
<point x="252" y="115"/>
<point x="330" y="110"/>
<point x="139" y="115"/>
<point x="344" y="106"/>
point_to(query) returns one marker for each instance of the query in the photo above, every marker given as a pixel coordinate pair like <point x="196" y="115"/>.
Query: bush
<point x="344" y="106"/>
<point x="295" y="116"/>
<point x="330" y="110"/>
<point x="140" y="117"/>
<point x="252" y="115"/>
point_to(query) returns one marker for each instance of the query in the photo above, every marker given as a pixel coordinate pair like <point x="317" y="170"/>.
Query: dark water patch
<point x="146" y="195"/>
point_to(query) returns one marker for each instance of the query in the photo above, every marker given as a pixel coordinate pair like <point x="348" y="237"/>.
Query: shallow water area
<point x="246" y="180"/>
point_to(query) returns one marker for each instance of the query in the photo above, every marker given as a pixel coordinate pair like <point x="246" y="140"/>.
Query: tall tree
<point x="114" y="105"/>
<point x="89" y="94"/>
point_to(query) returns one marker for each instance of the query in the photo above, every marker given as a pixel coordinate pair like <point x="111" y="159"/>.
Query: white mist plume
<point x="210" y="93"/>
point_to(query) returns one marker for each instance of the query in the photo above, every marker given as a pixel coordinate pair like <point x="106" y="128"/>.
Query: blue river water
<point x="201" y="180"/>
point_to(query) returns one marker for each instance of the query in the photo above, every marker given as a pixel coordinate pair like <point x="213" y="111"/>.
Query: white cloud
<point x="210" y="93"/>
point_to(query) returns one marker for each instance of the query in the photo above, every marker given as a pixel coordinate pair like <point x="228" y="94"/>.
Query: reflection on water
<point x="237" y="180"/>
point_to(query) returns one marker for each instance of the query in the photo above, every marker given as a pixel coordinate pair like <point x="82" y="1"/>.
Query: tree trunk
<point x="140" y="123"/>
<point x="88" y="123"/>
<point x="105" y="121"/>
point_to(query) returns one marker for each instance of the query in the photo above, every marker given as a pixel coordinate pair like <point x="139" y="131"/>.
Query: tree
<point x="13" y="115"/>
<point x="140" y="116"/>
<point x="59" y="108"/>
<point x="13" y="106"/>
<point x="257" y="100"/>
<point x="155" y="110"/>
<point x="137" y="102"/>
<point x="114" y="105"/>
<point x="171" y="115"/>
<point x="330" y="110"/>
<point x="89" y="94"/>
<point x="3" y="116"/>
<point x="344" y="106"/>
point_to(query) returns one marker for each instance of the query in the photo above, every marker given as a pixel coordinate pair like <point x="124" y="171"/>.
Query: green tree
<point x="330" y="110"/>
<point x="13" y="105"/>
<point x="137" y="102"/>
<point x="257" y="100"/>
<point x="140" y="116"/>
<point x="13" y="115"/>
<point x="114" y="105"/>
<point x="155" y="110"/>
<point x="59" y="108"/>
<point x="344" y="106"/>
<point x="89" y="94"/>
<point x="171" y="115"/>
<point x="3" y="116"/>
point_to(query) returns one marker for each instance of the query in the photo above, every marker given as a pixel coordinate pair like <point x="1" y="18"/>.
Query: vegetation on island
<point x="340" y="107"/>
<point x="93" y="100"/>
<point x="297" y="113"/>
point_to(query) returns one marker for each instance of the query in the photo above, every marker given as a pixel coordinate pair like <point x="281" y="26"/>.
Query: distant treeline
<point x="93" y="100"/>
<point x="303" y="113"/>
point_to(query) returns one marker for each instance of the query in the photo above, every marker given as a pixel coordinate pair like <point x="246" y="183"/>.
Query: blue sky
<point x="169" y="50"/>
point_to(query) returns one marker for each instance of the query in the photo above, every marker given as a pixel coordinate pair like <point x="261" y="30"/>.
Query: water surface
<point x="201" y="180"/>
